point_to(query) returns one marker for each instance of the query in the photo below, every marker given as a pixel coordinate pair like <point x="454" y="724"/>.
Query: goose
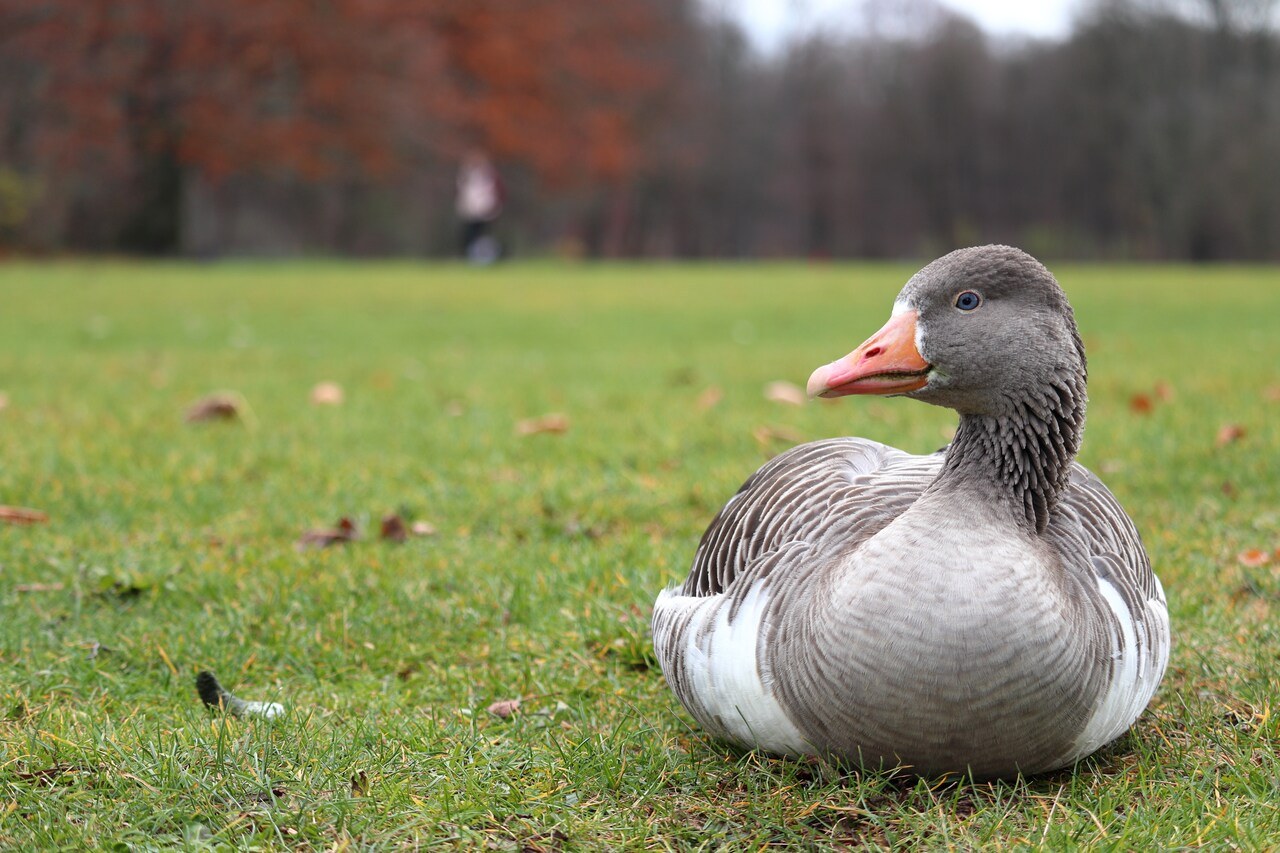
<point x="987" y="610"/>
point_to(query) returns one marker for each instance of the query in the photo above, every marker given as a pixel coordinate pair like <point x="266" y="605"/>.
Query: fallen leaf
<point x="504" y="707"/>
<point x="327" y="394"/>
<point x="22" y="515"/>
<point x="1228" y="488"/>
<point x="360" y="784"/>
<point x="47" y="775"/>
<point x="766" y="435"/>
<point x="1253" y="557"/>
<point x="393" y="528"/>
<point x="553" y="423"/>
<point x="1141" y="404"/>
<point x="1164" y="392"/>
<point x="39" y="587"/>
<point x="345" y="531"/>
<point x="542" y="842"/>
<point x="1229" y="434"/>
<point x="785" y="392"/>
<point x="710" y="396"/>
<point x="215" y="407"/>
<point x="422" y="528"/>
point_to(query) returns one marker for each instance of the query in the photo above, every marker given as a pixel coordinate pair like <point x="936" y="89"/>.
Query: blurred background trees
<point x="635" y="128"/>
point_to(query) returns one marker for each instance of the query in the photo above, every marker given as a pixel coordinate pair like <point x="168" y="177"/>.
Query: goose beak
<point x="887" y="363"/>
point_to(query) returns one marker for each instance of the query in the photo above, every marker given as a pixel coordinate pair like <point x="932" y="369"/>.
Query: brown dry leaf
<point x="551" y="841"/>
<point x="422" y="528"/>
<point x="710" y="396"/>
<point x="1141" y="404"/>
<point x="1229" y="434"/>
<point x="47" y="775"/>
<point x="344" y="531"/>
<point x="277" y="793"/>
<point x="779" y="391"/>
<point x="327" y="394"/>
<point x="504" y="707"/>
<point x="22" y="515"/>
<point x="1164" y="392"/>
<point x="393" y="528"/>
<point x="1253" y="557"/>
<point x="360" y="784"/>
<point x="766" y="435"/>
<point x="39" y="587"/>
<point x="215" y="407"/>
<point x="554" y="423"/>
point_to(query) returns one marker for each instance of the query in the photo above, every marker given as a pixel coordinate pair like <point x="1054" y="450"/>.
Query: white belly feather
<point x="721" y="667"/>
<point x="1141" y="653"/>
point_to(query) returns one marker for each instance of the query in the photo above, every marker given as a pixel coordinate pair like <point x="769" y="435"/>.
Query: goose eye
<point x="968" y="300"/>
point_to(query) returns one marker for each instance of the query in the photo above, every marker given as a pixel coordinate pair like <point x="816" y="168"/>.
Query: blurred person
<point x="480" y="197"/>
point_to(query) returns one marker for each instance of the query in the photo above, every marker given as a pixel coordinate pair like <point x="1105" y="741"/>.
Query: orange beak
<point x="887" y="363"/>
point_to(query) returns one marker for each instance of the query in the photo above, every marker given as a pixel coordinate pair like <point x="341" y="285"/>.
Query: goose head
<point x="981" y="330"/>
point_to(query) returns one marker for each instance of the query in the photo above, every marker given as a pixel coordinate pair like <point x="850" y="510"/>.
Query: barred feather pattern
<point x="814" y="494"/>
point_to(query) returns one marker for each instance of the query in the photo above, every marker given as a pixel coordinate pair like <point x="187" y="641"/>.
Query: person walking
<point x="480" y="198"/>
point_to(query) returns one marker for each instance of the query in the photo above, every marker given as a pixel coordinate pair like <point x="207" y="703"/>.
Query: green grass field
<point x="170" y="548"/>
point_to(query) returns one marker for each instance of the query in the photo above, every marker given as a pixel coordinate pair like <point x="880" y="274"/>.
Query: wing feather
<point x="838" y="493"/>
<point x="828" y="494"/>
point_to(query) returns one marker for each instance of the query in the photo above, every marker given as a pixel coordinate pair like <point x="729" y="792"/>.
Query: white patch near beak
<point x="900" y="305"/>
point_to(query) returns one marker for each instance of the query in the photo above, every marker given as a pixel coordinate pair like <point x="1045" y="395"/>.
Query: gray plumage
<point x="986" y="609"/>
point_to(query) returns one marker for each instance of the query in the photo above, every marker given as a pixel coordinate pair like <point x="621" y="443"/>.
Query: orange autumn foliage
<point x="235" y="87"/>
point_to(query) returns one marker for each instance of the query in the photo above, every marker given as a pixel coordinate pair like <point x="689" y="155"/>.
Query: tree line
<point x="635" y="128"/>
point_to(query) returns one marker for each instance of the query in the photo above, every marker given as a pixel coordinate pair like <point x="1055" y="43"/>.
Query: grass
<point x="170" y="548"/>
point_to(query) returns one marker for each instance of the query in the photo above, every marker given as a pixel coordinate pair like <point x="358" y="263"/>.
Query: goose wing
<point x="789" y="519"/>
<point x="1103" y="530"/>
<point x="827" y="494"/>
<point x="1135" y="636"/>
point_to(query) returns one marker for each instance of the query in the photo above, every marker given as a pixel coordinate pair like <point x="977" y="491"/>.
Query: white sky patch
<point x="770" y="22"/>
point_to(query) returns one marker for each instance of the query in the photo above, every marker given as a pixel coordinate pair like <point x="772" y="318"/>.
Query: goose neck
<point x="1020" y="458"/>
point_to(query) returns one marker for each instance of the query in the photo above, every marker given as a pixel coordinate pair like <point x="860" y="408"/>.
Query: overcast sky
<point x="768" y="21"/>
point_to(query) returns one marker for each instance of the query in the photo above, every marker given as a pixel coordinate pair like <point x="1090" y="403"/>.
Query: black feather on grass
<point x="213" y="694"/>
